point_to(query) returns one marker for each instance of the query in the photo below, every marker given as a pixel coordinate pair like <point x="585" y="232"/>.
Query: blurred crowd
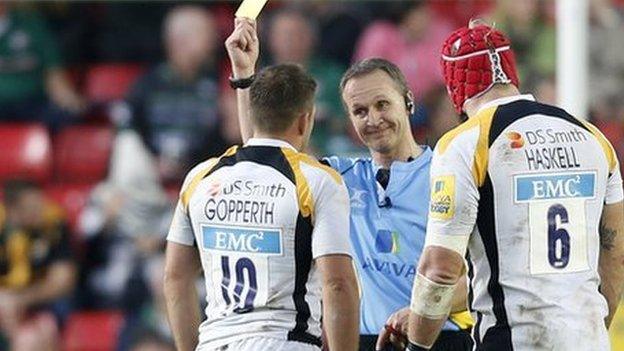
<point x="153" y="79"/>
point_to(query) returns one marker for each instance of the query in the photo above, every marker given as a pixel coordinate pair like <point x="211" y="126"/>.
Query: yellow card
<point x="250" y="8"/>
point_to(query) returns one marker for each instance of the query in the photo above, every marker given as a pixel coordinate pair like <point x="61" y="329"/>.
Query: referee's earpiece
<point x="409" y="103"/>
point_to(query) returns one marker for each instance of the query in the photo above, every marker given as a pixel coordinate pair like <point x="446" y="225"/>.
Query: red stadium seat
<point x="81" y="154"/>
<point x="72" y="198"/>
<point x="92" y="331"/>
<point x="110" y="82"/>
<point x="25" y="152"/>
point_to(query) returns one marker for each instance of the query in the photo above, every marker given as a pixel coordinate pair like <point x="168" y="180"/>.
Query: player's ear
<point x="304" y="121"/>
<point x="409" y="103"/>
<point x="312" y="116"/>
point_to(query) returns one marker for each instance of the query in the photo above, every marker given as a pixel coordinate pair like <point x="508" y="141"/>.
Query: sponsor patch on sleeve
<point x="442" y="204"/>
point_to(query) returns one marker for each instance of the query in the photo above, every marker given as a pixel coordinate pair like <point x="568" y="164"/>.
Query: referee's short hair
<point x="371" y="65"/>
<point x="278" y="95"/>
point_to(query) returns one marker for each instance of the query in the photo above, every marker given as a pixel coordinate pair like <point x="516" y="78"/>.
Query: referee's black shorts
<point x="447" y="341"/>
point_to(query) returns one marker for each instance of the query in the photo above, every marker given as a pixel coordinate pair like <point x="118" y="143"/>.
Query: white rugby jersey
<point x="259" y="216"/>
<point x="526" y="183"/>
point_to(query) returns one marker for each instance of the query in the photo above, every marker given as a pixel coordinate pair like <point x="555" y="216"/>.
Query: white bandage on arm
<point x="430" y="299"/>
<point x="457" y="243"/>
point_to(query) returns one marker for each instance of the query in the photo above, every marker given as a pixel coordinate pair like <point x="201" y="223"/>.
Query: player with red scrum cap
<point x="532" y="198"/>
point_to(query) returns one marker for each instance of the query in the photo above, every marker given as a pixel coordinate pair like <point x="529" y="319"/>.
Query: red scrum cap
<point x="474" y="58"/>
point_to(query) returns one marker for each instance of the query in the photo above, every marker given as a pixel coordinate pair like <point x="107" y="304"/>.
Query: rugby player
<point x="269" y="227"/>
<point x="389" y="204"/>
<point x="534" y="195"/>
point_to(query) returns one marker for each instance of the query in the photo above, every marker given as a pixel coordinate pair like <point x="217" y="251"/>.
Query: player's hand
<point x="395" y="330"/>
<point x="243" y="47"/>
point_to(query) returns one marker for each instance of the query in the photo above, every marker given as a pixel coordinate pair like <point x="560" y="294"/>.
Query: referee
<point x="389" y="200"/>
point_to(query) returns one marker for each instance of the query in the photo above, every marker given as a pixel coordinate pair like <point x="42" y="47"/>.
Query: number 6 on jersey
<point x="557" y="220"/>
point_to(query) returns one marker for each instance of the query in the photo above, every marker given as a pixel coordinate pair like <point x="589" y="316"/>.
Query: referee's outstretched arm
<point x="611" y="266"/>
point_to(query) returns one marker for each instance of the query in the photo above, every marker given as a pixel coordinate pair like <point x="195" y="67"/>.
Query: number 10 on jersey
<point x="240" y="259"/>
<point x="240" y="281"/>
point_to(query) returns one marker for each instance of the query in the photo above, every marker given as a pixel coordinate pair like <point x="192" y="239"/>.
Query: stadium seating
<point x="92" y="331"/>
<point x="81" y="154"/>
<point x="110" y="82"/>
<point x="26" y="152"/>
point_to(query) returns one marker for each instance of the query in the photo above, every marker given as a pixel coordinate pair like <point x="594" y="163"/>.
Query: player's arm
<point x="182" y="268"/>
<point x="243" y="48"/>
<point x="441" y="265"/>
<point x="460" y="295"/>
<point x="438" y="274"/>
<point x="611" y="231"/>
<point x="396" y="327"/>
<point x="611" y="266"/>
<point x="341" y="305"/>
<point x="331" y="250"/>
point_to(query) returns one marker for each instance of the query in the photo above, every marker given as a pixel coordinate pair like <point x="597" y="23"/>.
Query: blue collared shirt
<point x="387" y="232"/>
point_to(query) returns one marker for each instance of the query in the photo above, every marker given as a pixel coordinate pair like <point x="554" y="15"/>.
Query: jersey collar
<point x="268" y="142"/>
<point x="399" y="171"/>
<point x="506" y="100"/>
<point x="407" y="165"/>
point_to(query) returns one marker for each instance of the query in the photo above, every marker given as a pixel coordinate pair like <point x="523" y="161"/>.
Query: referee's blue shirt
<point x="387" y="232"/>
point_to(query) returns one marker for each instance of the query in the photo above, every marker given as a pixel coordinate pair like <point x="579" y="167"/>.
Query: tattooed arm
<point x="611" y="267"/>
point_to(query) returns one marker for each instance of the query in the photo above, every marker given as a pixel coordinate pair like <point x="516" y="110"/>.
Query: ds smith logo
<point x="516" y="140"/>
<point x="387" y="241"/>
<point x="214" y="189"/>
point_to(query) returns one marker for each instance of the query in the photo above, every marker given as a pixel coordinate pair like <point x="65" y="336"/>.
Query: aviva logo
<point x="387" y="241"/>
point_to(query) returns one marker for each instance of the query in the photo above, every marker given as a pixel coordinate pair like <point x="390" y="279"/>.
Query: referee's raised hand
<point x="243" y="47"/>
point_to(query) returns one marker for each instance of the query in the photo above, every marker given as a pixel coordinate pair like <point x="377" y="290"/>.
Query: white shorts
<point x="259" y="343"/>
